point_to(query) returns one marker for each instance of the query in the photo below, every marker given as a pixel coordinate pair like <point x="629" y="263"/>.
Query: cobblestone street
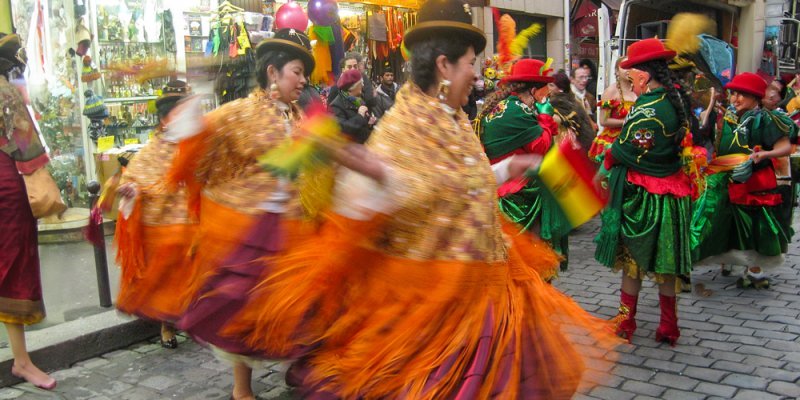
<point x="735" y="344"/>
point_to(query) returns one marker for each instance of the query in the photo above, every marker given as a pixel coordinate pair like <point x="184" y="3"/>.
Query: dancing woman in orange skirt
<point x="154" y="231"/>
<point x="412" y="290"/>
<point x="245" y="212"/>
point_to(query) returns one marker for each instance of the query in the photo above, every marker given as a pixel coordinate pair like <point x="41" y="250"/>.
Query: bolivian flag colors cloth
<point x="567" y="174"/>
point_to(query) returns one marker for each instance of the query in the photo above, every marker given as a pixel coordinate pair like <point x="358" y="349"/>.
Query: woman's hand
<point x="127" y="190"/>
<point x="600" y="183"/>
<point x="363" y="110"/>
<point x="759" y="156"/>
<point x="781" y="148"/>
<point x="372" y="120"/>
<point x="521" y="163"/>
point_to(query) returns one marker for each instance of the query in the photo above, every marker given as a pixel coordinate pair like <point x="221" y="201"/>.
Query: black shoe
<point x="170" y="344"/>
<point x="755" y="282"/>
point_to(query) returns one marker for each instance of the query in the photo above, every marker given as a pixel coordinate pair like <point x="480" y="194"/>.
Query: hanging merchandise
<point x="83" y="39"/>
<point x="327" y="31"/>
<point x="376" y="23"/>
<point x="396" y="28"/>
<point x="337" y="48"/>
<point x="79" y="8"/>
<point x="96" y="110"/>
<point x="89" y="72"/>
<point x="323" y="12"/>
<point x="385" y="28"/>
<point x="349" y="38"/>
<point x="229" y="39"/>
<point x="291" y="15"/>
<point x="323" y="71"/>
<point x="168" y="32"/>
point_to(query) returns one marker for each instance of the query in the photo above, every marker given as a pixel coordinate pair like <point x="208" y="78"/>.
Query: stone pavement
<point x="736" y="344"/>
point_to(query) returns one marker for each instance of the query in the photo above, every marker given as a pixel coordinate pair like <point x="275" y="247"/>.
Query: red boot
<point x="668" y="328"/>
<point x="624" y="322"/>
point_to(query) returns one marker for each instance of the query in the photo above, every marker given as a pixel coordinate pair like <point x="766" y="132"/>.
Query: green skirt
<point x="719" y="227"/>
<point x="654" y="233"/>
<point x="534" y="210"/>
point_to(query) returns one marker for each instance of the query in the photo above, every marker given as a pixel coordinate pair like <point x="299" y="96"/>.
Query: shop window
<point x="53" y="88"/>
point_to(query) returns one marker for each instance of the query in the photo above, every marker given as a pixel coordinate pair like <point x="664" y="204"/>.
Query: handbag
<point x="19" y="126"/>
<point x="43" y="194"/>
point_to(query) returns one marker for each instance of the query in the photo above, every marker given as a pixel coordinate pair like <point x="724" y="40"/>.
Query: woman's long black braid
<point x="501" y="94"/>
<point x="677" y="96"/>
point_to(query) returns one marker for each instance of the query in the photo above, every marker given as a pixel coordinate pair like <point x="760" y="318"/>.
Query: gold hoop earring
<point x="444" y="90"/>
<point x="273" y="92"/>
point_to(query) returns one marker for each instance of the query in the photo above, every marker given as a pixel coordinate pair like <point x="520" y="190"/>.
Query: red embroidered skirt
<point x="20" y="283"/>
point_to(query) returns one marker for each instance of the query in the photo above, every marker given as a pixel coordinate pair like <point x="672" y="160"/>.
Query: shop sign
<point x="105" y="143"/>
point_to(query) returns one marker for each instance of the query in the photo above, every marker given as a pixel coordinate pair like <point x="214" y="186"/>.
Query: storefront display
<point x="47" y="29"/>
<point x="97" y="65"/>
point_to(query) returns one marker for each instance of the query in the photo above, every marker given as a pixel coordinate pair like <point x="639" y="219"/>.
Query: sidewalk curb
<point x="60" y="346"/>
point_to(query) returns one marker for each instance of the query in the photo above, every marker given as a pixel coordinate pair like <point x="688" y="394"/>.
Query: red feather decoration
<point x="506" y="32"/>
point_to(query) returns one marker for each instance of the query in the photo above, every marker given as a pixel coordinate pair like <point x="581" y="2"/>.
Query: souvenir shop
<point x="372" y="28"/>
<point x="96" y="66"/>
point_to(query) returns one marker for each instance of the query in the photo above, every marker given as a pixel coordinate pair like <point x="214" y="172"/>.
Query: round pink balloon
<point x="291" y="15"/>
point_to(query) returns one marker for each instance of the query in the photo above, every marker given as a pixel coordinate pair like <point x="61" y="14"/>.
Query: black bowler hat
<point x="173" y="91"/>
<point x="292" y="41"/>
<point x="445" y="17"/>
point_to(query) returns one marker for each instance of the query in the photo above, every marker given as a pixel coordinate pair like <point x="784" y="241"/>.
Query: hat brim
<point x="290" y="47"/>
<point x="529" y="78"/>
<point x="424" y="30"/>
<point x="745" y="89"/>
<point x="665" y="55"/>
<point x="171" y="96"/>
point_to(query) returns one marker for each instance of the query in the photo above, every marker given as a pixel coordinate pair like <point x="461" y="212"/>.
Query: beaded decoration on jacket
<point x="241" y="131"/>
<point x="448" y="190"/>
<point x="160" y="204"/>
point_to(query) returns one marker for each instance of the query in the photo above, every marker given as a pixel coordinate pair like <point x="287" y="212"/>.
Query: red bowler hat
<point x="750" y="83"/>
<point x="529" y="70"/>
<point x="646" y="50"/>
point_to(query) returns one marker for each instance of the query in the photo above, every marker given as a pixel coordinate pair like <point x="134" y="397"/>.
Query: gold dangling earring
<point x="273" y="92"/>
<point x="444" y="89"/>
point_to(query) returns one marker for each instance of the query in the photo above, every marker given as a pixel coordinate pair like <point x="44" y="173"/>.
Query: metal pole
<point x="100" y="259"/>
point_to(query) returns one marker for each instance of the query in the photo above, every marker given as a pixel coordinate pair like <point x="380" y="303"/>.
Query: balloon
<point x="323" y="12"/>
<point x="291" y="15"/>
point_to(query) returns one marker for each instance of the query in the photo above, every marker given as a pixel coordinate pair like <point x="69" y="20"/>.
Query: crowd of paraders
<point x="414" y="257"/>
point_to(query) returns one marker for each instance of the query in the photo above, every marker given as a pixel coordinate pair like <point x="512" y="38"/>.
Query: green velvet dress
<point x="512" y="128"/>
<point x="723" y="229"/>
<point x="645" y="229"/>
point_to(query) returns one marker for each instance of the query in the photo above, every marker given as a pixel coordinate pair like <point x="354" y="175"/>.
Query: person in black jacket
<point x="353" y="60"/>
<point x="349" y="108"/>
<point x="386" y="92"/>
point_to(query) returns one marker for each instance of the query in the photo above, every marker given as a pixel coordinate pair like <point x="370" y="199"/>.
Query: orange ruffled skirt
<point x="163" y="267"/>
<point x="148" y="290"/>
<point x="367" y="325"/>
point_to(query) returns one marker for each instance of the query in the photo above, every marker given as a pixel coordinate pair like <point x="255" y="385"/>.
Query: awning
<point x="584" y="19"/>
<point x="611" y="4"/>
